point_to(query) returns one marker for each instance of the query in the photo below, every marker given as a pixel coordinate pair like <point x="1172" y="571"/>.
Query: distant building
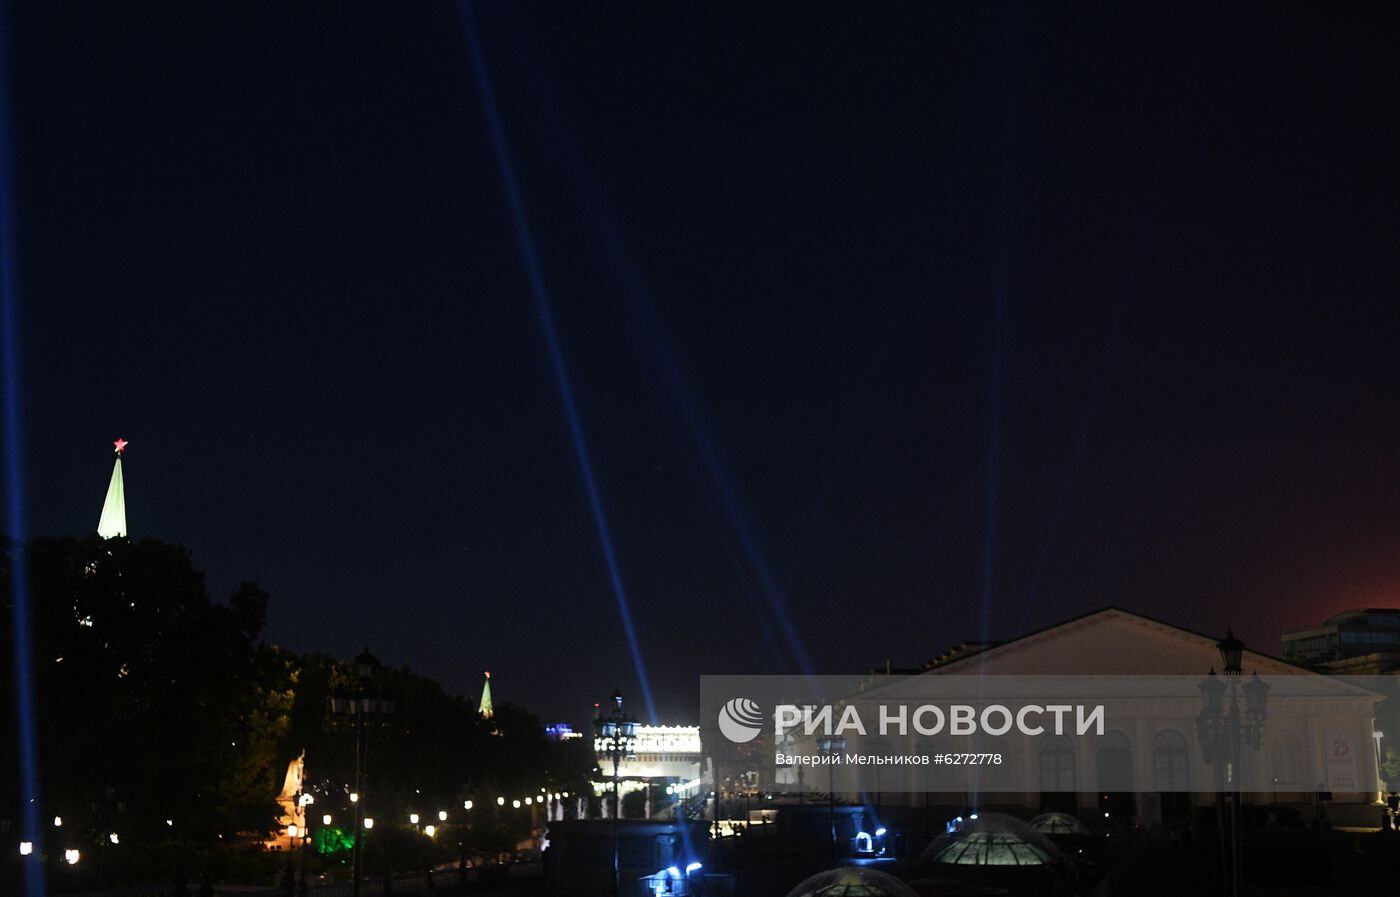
<point x="658" y="756"/>
<point x="1363" y="642"/>
<point x="658" y="752"/>
<point x="1313" y="746"/>
<point x="561" y="732"/>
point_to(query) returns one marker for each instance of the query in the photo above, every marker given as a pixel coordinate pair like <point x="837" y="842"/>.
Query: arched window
<point x="887" y="779"/>
<point x="1056" y="764"/>
<point x="785" y="745"/>
<point x="1113" y="762"/>
<point x="1170" y="761"/>
<point x="938" y="776"/>
<point x="1286" y="758"/>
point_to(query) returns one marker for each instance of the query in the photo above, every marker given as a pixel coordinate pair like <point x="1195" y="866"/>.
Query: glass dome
<point x="1058" y="824"/>
<point x="852" y="882"/>
<point x="993" y="839"/>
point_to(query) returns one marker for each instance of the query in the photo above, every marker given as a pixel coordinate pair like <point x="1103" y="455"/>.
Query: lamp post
<point x="359" y="710"/>
<point x="1221" y="730"/>
<point x="830" y="746"/>
<point x="303" y="801"/>
<point x="615" y="733"/>
<point x="1377" y="734"/>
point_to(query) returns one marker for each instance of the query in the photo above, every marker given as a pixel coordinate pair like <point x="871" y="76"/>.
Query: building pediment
<point x="1109" y="642"/>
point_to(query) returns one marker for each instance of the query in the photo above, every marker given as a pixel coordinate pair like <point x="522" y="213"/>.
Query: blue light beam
<point x="26" y="722"/>
<point x="535" y="274"/>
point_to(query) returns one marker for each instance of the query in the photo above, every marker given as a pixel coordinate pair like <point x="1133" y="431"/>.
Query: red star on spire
<point x="120" y="444"/>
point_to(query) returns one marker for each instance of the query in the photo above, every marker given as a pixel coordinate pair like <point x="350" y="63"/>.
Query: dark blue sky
<point x="831" y="282"/>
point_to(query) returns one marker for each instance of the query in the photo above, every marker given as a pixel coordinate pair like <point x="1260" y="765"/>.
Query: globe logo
<point x="740" y="720"/>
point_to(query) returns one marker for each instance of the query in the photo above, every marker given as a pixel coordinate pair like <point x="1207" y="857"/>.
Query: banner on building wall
<point x="1341" y="762"/>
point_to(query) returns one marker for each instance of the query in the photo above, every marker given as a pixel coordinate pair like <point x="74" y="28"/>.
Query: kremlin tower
<point x="113" y="522"/>
<point x="485" y="709"/>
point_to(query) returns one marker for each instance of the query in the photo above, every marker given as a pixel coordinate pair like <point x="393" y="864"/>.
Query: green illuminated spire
<point x="486" y="711"/>
<point x="113" y="522"/>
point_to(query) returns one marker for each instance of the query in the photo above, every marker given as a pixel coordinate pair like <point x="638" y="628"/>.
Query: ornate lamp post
<point x="359" y="710"/>
<point x="830" y="746"/>
<point x="615" y="734"/>
<point x="303" y="801"/>
<point x="1222" y="729"/>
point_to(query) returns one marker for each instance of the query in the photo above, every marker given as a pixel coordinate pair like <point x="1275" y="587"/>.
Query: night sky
<point x="915" y="322"/>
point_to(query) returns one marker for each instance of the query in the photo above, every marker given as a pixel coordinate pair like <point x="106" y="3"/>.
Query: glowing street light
<point x="527" y="801"/>
<point x="114" y="838"/>
<point x="354" y="797"/>
<point x="71" y="857"/>
<point x="26" y="848"/>
<point x="442" y="815"/>
<point x="466" y="805"/>
<point x="58" y="822"/>
<point x="500" y="801"/>
<point x="515" y="804"/>
<point x="413" y="818"/>
<point x="326" y="819"/>
<point x="369" y="822"/>
<point x="430" y="830"/>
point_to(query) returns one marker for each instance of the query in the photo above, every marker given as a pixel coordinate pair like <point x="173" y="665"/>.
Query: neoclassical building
<point x="1317" y="751"/>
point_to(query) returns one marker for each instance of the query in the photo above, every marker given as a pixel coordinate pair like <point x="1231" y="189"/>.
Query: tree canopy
<point x="163" y="713"/>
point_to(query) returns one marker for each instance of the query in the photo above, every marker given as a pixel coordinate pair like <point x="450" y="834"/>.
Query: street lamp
<point x="360" y="709"/>
<point x="615" y="733"/>
<point x="1221" y="729"/>
<point x="830" y="746"/>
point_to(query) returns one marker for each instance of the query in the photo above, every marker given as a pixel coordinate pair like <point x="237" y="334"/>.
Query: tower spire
<point x="113" y="522"/>
<point x="485" y="709"/>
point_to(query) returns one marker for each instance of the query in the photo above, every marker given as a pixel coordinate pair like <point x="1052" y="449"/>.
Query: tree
<point x="149" y="693"/>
